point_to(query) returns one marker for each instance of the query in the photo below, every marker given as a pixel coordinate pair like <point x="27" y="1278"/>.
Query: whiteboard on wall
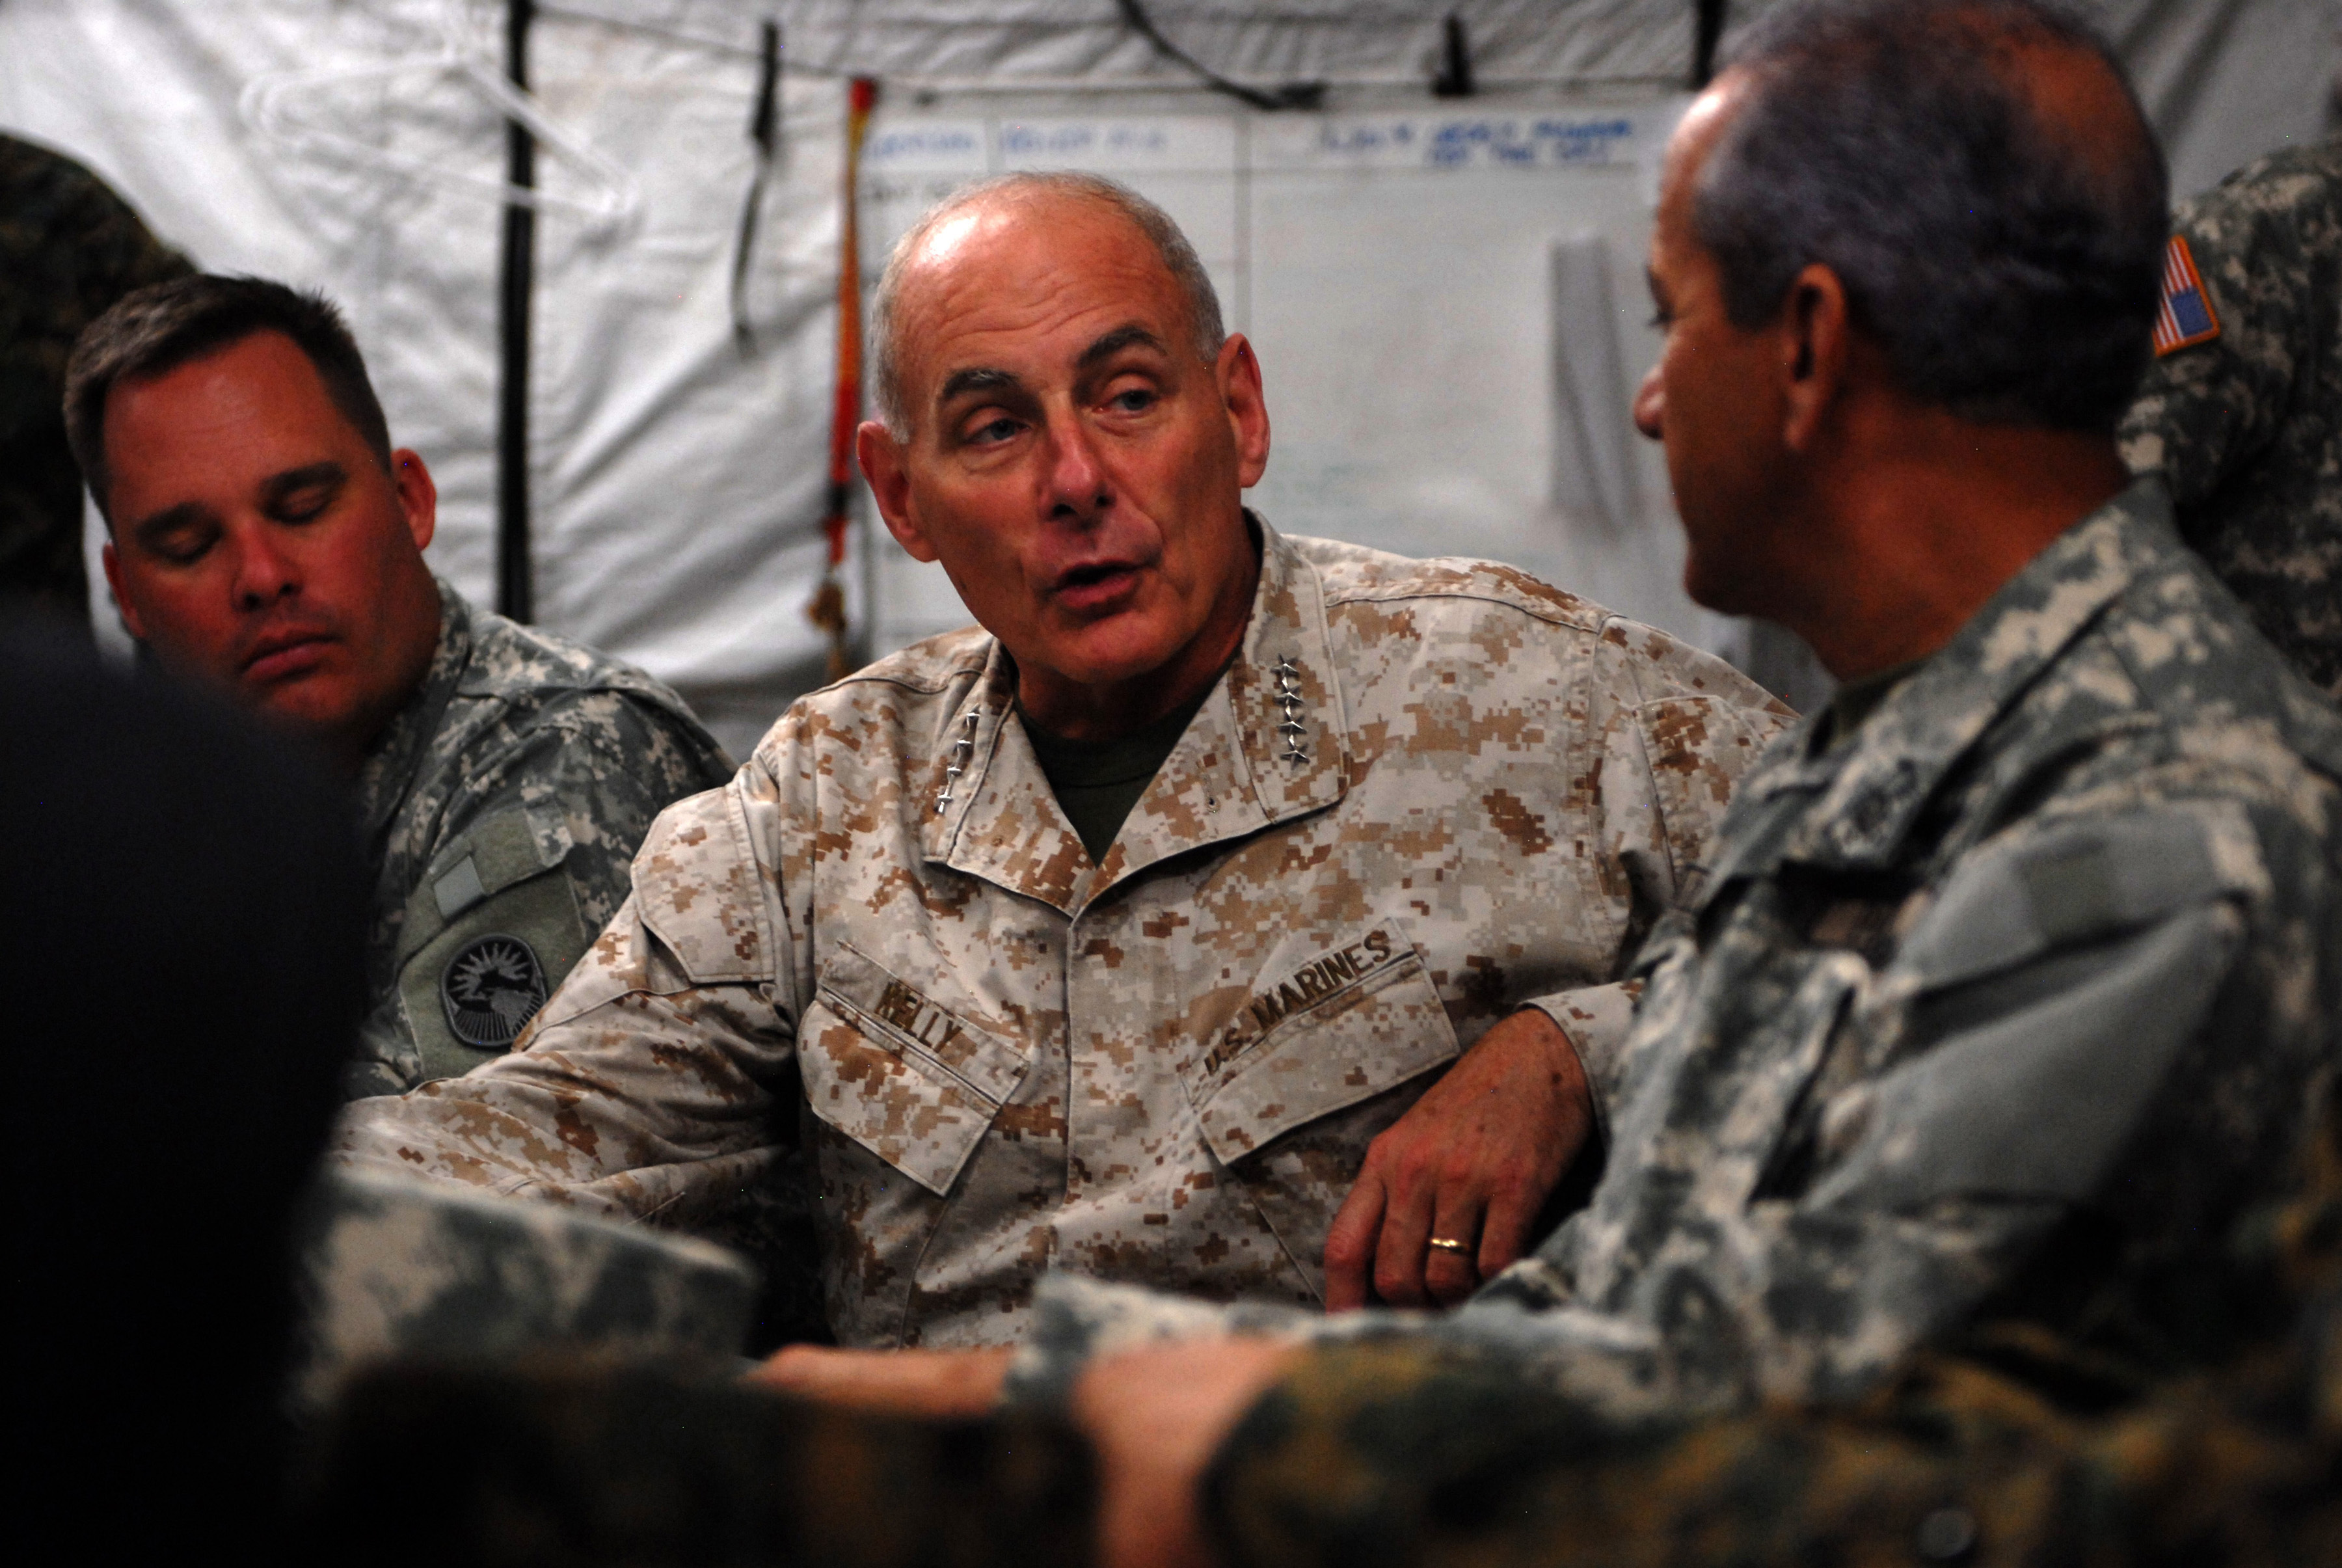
<point x="1447" y="304"/>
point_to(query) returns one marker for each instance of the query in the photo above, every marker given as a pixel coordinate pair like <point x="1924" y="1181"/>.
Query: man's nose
<point x="1650" y="403"/>
<point x="1078" y="487"/>
<point x="266" y="570"/>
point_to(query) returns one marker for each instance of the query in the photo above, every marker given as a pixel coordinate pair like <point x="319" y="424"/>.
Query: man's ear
<point x="418" y="496"/>
<point x="130" y="617"/>
<point x="1815" y="344"/>
<point x="886" y="464"/>
<point x="1236" y="373"/>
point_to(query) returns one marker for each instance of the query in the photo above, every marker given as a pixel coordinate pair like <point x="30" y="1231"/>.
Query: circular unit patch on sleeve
<point x="491" y="987"/>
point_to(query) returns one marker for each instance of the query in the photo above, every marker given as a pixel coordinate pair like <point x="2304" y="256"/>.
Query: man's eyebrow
<point x="1128" y="335"/>
<point x="960" y="383"/>
<point x="277" y="487"/>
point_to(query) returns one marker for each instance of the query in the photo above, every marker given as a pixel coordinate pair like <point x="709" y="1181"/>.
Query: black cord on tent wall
<point x="1454" y="78"/>
<point x="515" y="581"/>
<point x="764" y="132"/>
<point x="1708" y="29"/>
<point x="1291" y="95"/>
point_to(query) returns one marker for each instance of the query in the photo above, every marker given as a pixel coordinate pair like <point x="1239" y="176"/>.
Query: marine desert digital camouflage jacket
<point x="1407" y="808"/>
<point x="501" y="807"/>
<point x="2245" y="425"/>
<point x="2016" y="996"/>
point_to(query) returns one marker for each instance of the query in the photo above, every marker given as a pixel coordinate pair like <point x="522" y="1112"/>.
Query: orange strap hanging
<point x="827" y="609"/>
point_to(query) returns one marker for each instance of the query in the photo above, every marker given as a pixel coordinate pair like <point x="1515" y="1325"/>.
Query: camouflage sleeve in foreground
<point x="2246" y="424"/>
<point x="398" y="1268"/>
<point x="587" y="1463"/>
<point x="2018" y="1450"/>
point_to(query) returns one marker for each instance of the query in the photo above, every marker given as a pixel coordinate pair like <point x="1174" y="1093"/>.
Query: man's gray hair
<point x="2009" y="271"/>
<point x="1179" y="259"/>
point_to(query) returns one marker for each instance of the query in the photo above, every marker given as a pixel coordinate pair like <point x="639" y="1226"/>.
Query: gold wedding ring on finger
<point x="1449" y="1244"/>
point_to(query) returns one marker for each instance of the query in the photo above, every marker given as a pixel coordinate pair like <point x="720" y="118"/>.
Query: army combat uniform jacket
<point x="2243" y="414"/>
<point x="1422" y="794"/>
<point x="2016" y="996"/>
<point x="501" y="807"/>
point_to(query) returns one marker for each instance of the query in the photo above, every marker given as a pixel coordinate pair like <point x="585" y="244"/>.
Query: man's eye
<point x="992" y="432"/>
<point x="184" y="549"/>
<point x="302" y="506"/>
<point x="1135" y="400"/>
<point x="1661" y="318"/>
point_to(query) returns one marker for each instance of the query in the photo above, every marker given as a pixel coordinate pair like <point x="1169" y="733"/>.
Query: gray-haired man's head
<point x="1069" y="434"/>
<point x="1999" y="231"/>
<point x="1206" y="327"/>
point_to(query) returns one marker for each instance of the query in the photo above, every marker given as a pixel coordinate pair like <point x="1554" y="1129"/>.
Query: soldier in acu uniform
<point x="265" y="535"/>
<point x="69" y="248"/>
<point x="1124" y="934"/>
<point x="2242" y="411"/>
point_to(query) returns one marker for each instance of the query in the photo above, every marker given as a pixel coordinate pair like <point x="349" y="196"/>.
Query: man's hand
<point x="942" y="1385"/>
<point x="1471" y="1163"/>
<point x="1156" y="1416"/>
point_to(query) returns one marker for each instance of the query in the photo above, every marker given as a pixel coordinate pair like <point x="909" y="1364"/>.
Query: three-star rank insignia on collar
<point x="491" y="987"/>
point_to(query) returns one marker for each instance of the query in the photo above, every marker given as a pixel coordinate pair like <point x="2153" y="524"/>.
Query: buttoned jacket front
<point x="1423" y="794"/>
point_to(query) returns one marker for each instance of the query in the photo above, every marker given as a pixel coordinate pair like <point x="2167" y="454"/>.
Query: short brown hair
<point x="163" y="326"/>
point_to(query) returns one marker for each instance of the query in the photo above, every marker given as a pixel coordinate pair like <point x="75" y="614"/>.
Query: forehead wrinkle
<point x="1129" y="334"/>
<point x="958" y="275"/>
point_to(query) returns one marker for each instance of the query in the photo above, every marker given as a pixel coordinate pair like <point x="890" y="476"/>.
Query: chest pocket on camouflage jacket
<point x="912" y="1083"/>
<point x="1325" y="1056"/>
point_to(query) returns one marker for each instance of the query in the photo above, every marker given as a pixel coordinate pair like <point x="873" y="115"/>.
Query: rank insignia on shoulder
<point x="2185" y="314"/>
<point x="491" y="987"/>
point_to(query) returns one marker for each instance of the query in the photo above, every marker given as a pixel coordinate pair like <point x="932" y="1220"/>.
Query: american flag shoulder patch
<point x="2186" y="316"/>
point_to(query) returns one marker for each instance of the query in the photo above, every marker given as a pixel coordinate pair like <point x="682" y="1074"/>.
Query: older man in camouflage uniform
<point x="265" y="537"/>
<point x="69" y="248"/>
<point x="2242" y="412"/>
<point x="1122" y="936"/>
<point x="2016" y="970"/>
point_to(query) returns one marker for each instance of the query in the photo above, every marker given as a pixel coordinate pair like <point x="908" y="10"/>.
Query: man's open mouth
<point x="1097" y="589"/>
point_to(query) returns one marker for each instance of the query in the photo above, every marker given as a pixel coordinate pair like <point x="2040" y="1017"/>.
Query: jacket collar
<point x="1269" y="743"/>
<point x="389" y="772"/>
<point x="1853" y="807"/>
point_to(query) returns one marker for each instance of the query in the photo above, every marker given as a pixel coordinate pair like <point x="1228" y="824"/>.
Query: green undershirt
<point x="1098" y="782"/>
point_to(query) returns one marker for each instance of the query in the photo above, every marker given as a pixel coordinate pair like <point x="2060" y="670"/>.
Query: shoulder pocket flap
<point x="1695" y="748"/>
<point x="499" y="851"/>
<point x="915" y="1083"/>
<point x="2077" y="882"/>
<point x="698" y="886"/>
<point x="2040" y="1103"/>
<point x="1343" y="1046"/>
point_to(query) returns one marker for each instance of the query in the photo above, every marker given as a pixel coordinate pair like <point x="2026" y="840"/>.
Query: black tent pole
<point x="1707" y="27"/>
<point x="516" y="590"/>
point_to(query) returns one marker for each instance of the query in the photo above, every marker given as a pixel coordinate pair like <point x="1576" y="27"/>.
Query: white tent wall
<point x="1425" y="317"/>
